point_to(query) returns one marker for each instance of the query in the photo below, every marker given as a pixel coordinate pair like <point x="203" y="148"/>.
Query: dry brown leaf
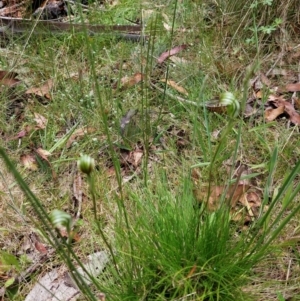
<point x="297" y="103"/>
<point x="174" y="85"/>
<point x="128" y="82"/>
<point x="79" y="133"/>
<point x="42" y="91"/>
<point x="294" y="116"/>
<point x="29" y="162"/>
<point x="135" y="157"/>
<point x="233" y="192"/>
<point x="265" y="80"/>
<point x="171" y="52"/>
<point x="178" y="60"/>
<point x="22" y="133"/>
<point x="251" y="202"/>
<point x="40" y="247"/>
<point x="75" y="236"/>
<point x="44" y="154"/>
<point x="40" y="120"/>
<point x="254" y="199"/>
<point x="129" y="160"/>
<point x="271" y="114"/>
<point x="245" y="201"/>
<point x="289" y="109"/>
<point x="259" y="94"/>
<point x="292" y="87"/>
<point x="58" y="284"/>
<point x="256" y="84"/>
<point x="260" y="82"/>
<point x="9" y="78"/>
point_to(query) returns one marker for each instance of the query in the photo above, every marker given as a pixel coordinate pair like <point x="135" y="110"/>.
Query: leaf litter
<point x="243" y="199"/>
<point x="29" y="162"/>
<point x="277" y="104"/>
<point x="128" y="82"/>
<point x="41" y="121"/>
<point x="175" y="86"/>
<point x="79" y="134"/>
<point x="242" y="195"/>
<point x="165" y="55"/>
<point x="9" y="78"/>
<point x="43" y="91"/>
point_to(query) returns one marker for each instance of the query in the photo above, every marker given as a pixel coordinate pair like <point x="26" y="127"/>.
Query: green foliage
<point x="162" y="243"/>
<point x="169" y="248"/>
<point x="256" y="3"/>
<point x="171" y="257"/>
<point x="9" y="261"/>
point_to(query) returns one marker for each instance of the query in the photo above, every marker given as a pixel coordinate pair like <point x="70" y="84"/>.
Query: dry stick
<point x="288" y="271"/>
<point x="12" y="25"/>
<point x="77" y="194"/>
<point x="178" y="98"/>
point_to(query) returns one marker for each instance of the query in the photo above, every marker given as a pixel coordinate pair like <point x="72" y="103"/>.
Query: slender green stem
<point x="91" y="183"/>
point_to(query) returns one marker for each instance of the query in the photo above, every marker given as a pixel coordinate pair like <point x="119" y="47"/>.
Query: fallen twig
<point x="18" y="25"/>
<point x="178" y="98"/>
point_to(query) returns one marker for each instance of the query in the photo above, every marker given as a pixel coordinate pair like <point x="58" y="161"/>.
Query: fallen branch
<point x="17" y="25"/>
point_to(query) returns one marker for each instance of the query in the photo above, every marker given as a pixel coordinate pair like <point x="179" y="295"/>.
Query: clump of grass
<point x="171" y="259"/>
<point x="167" y="247"/>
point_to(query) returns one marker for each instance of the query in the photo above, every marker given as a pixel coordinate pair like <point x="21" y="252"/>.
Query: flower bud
<point x="86" y="164"/>
<point x="228" y="99"/>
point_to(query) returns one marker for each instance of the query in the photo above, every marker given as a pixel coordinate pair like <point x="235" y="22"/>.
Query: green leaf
<point x="280" y="297"/>
<point x="9" y="282"/>
<point x="9" y="259"/>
